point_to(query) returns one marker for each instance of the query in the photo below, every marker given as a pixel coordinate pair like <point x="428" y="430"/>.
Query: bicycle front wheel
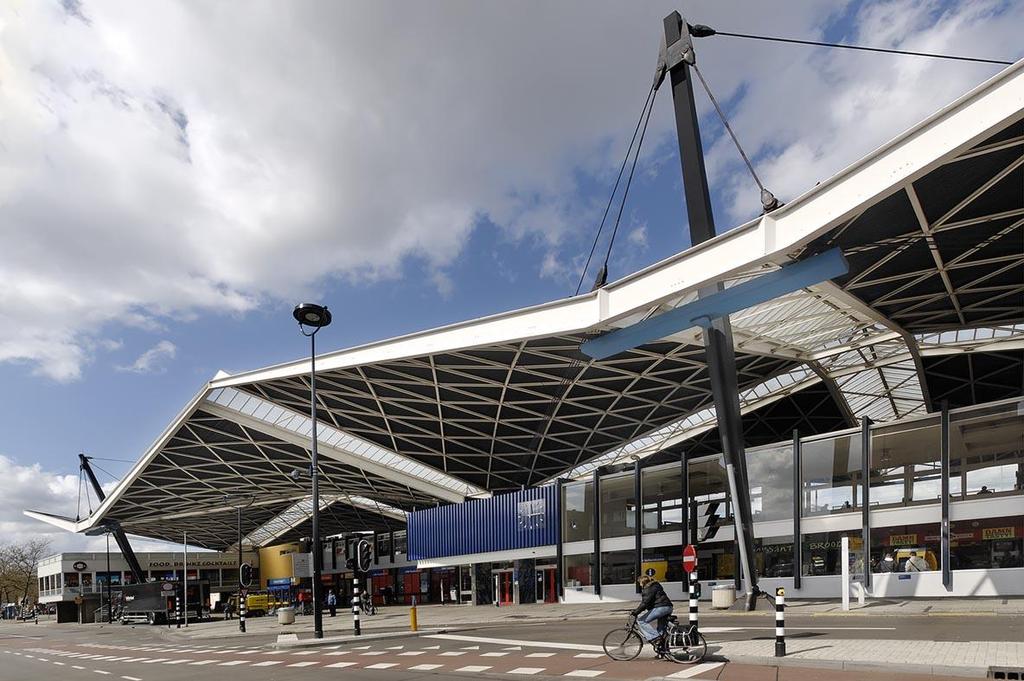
<point x="622" y="644"/>
<point x="687" y="648"/>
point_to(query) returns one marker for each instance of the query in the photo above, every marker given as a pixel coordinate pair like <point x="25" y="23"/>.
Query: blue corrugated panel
<point x="501" y="523"/>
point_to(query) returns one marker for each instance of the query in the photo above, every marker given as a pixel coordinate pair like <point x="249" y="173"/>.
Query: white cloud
<point x="152" y="360"/>
<point x="162" y="160"/>
<point x="638" y="237"/>
<point x="32" y="487"/>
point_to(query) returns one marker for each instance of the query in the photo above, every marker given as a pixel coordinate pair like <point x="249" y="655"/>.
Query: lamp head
<point x="311" y="314"/>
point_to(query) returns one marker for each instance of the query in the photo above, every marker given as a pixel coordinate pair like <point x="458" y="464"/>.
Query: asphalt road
<point x="565" y="649"/>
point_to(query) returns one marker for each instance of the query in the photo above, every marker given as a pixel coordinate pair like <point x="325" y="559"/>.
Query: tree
<point x="19" y="564"/>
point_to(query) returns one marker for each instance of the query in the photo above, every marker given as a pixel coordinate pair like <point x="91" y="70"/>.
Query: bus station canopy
<point x="931" y="311"/>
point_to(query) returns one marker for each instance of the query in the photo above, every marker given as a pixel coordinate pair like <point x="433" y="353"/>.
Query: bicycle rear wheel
<point x="687" y="647"/>
<point x="622" y="644"/>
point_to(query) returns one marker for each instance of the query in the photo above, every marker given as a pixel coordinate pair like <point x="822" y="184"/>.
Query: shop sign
<point x="280" y="581"/>
<point x="903" y="540"/>
<point x="998" y="533"/>
<point x="79" y="565"/>
<point x="302" y="565"/>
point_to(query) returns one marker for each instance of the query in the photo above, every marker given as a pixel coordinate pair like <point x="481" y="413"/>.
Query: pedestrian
<point x="332" y="603"/>
<point x="916" y="563"/>
<point x="887" y="564"/>
<point x="984" y="490"/>
<point x="389" y="595"/>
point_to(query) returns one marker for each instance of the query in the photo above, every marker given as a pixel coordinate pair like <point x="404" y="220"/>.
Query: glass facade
<point x="987" y="544"/>
<point x="906" y="548"/>
<point x="617" y="567"/>
<point x="986" y="451"/>
<point x="770" y="474"/>
<point x="666" y="561"/>
<point x="822" y="552"/>
<point x="618" y="505"/>
<point x="578" y="570"/>
<point x="578" y="511"/>
<point x="830" y="473"/>
<point x="773" y="556"/>
<point x="906" y="463"/>
<point x="709" y="490"/>
<point x="662" y="491"/>
<point x="401" y="542"/>
<point x="986" y="461"/>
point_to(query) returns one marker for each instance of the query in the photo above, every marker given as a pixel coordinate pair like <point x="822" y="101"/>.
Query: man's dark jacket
<point x="653" y="596"/>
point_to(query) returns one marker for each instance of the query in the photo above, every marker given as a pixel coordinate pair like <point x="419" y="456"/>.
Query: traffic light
<point x="364" y="555"/>
<point x="245" y="574"/>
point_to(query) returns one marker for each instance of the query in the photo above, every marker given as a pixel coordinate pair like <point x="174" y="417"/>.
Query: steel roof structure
<point x="932" y="309"/>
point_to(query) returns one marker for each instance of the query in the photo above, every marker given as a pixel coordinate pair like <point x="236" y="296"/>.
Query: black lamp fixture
<point x="315" y="317"/>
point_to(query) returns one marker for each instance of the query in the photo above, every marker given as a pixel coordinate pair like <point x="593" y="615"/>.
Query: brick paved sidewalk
<point x="935" y="657"/>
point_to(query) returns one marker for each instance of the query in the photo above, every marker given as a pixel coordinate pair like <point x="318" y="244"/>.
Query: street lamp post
<point x="106" y="529"/>
<point x="315" y="317"/>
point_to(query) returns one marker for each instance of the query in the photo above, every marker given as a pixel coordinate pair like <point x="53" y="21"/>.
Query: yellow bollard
<point x="412" y="616"/>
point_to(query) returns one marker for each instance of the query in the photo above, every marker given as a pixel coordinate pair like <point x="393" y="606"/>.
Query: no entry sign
<point x="689" y="558"/>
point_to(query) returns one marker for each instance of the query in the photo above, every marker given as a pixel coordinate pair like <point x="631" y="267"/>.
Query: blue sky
<point x="165" y="207"/>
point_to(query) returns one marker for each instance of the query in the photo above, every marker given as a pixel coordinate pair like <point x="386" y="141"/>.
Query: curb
<point x="843" y="665"/>
<point x="350" y="638"/>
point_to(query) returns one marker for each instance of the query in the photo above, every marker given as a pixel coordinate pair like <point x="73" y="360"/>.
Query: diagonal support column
<point x="721" y="356"/>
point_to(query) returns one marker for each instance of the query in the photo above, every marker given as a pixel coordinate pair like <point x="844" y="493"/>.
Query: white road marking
<point x="302" y="664"/>
<point x="540" y="655"/>
<point x="131" y="678"/>
<point x="471" y="648"/>
<point x="588" y="673"/>
<point x="382" y="665"/>
<point x="306" y="652"/>
<point x="75" y="666"/>
<point x="232" y="663"/>
<point x="155" y="660"/>
<point x="432" y="648"/>
<point x="268" y="663"/>
<point x="525" y="644"/>
<point x="529" y="671"/>
<point x="361" y="648"/>
<point x="202" y="662"/>
<point x="473" y="668"/>
<point x="412" y="652"/>
<point x="373" y="652"/>
<point x="453" y="653"/>
<point x="512" y="648"/>
<point x="493" y="654"/>
<point x="694" y="671"/>
<point x="340" y="652"/>
<point x="60" y="663"/>
<point x="338" y="665"/>
<point x="425" y="667"/>
<point x="590" y="656"/>
<point x="396" y="648"/>
<point x="100" y="671"/>
<point x="180" y="660"/>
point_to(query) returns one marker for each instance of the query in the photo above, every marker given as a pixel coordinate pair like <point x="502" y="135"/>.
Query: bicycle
<point x="679" y="644"/>
<point x="367" y="607"/>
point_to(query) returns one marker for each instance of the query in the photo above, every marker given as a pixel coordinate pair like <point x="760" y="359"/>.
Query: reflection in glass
<point x="773" y="556"/>
<point x="578" y="570"/>
<point x="617" y="567"/>
<point x="578" y="515"/>
<point x="709" y="488"/>
<point x="986" y="451"/>
<point x="618" y="506"/>
<point x="665" y="561"/>
<point x="906" y="464"/>
<point x="822" y="552"/>
<point x="830" y="474"/>
<point x="770" y="474"/>
<point x="662" y="491"/>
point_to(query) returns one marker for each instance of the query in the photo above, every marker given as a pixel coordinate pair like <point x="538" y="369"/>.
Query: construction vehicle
<point x="258" y="603"/>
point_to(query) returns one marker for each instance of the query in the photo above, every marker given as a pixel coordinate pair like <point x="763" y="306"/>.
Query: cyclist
<point x="658" y="607"/>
